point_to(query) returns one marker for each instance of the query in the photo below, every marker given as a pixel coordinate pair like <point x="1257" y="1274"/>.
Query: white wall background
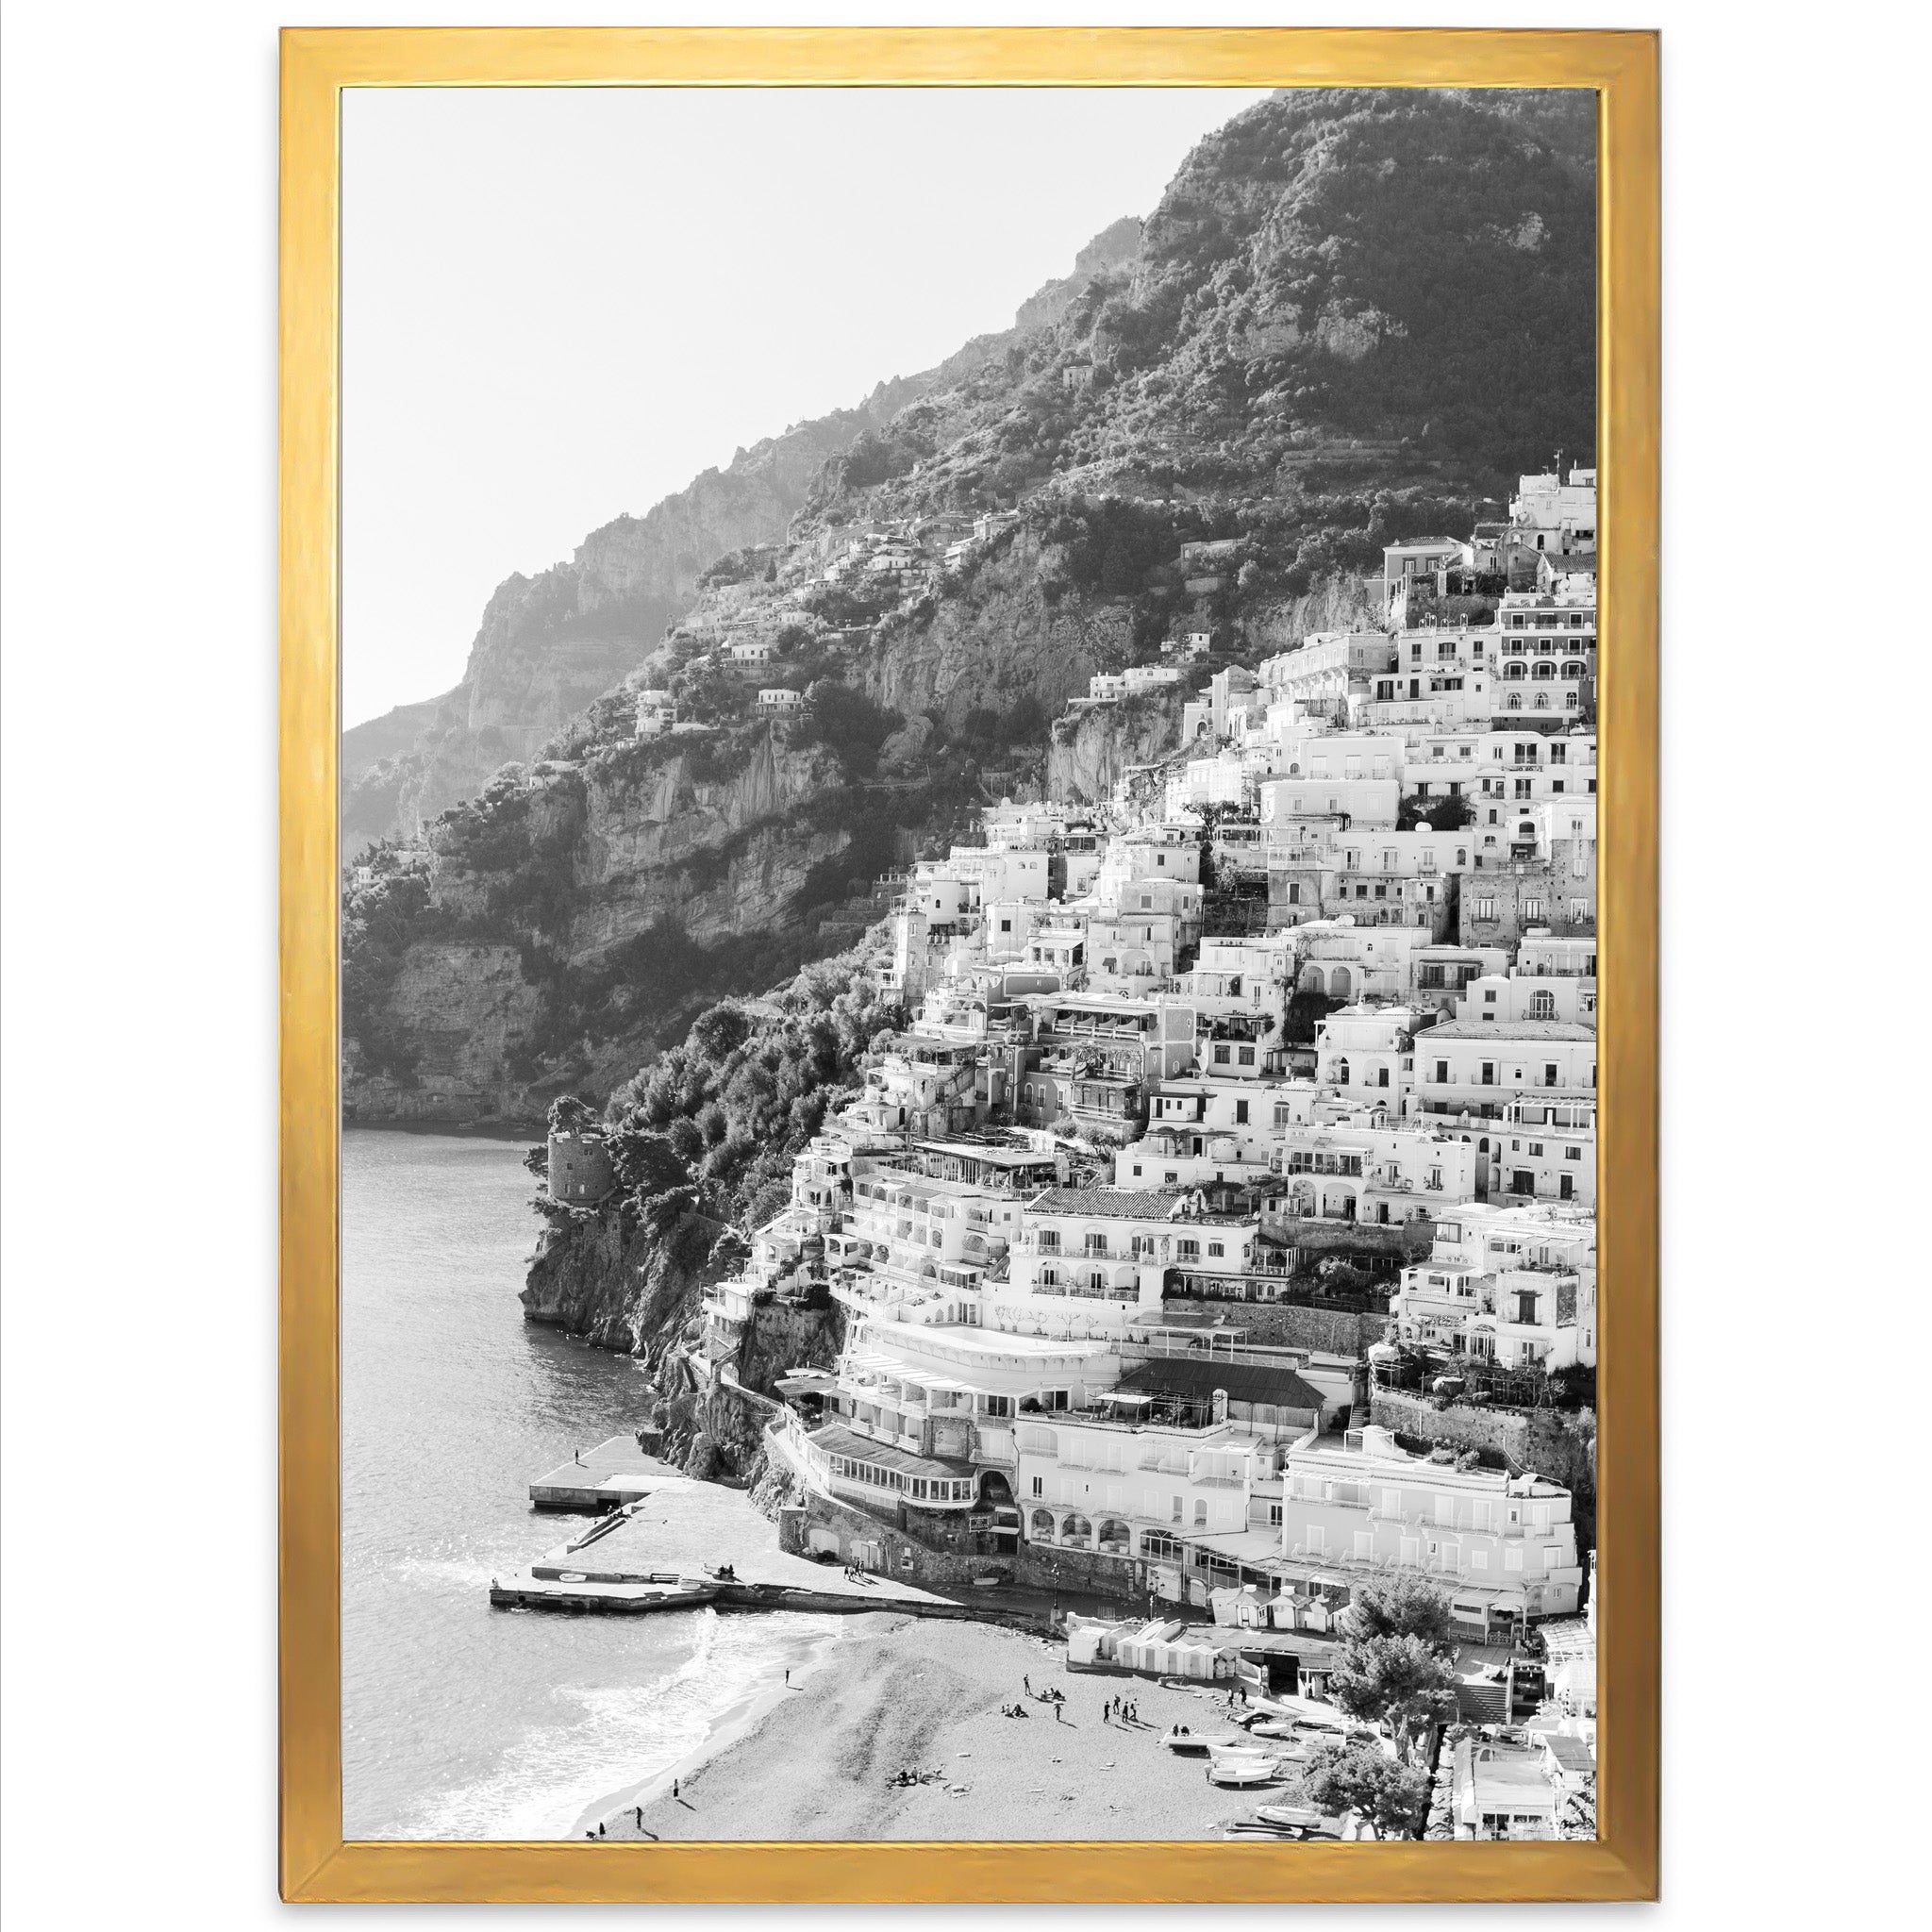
<point x="140" y="159"/>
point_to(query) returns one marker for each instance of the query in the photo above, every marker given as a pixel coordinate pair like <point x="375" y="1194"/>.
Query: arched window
<point x="1546" y="671"/>
<point x="1543" y="1006"/>
<point x="1516" y="701"/>
<point x="1341" y="1072"/>
<point x="1543" y="701"/>
<point x="1517" y="670"/>
<point x="1572" y="672"/>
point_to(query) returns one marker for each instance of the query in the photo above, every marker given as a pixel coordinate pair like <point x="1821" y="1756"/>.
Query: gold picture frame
<point x="317" y="64"/>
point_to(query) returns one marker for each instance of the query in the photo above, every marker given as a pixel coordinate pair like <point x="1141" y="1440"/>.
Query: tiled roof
<point x="1114" y="1204"/>
<point x="1245" y="1382"/>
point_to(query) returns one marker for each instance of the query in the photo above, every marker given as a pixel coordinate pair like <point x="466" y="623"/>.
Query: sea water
<point x="459" y="1721"/>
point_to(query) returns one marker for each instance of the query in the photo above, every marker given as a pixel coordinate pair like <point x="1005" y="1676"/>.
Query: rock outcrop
<point x="1093" y="748"/>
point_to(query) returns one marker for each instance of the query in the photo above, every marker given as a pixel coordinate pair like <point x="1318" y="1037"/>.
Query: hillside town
<point x="1216" y="1243"/>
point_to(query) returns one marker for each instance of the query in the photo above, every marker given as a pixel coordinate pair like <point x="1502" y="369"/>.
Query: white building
<point x="1503" y="1548"/>
<point x="655" y="713"/>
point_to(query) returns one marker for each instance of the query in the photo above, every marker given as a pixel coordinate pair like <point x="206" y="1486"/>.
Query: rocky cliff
<point x="603" y="1274"/>
<point x="995" y="639"/>
<point x="610" y="1275"/>
<point x="1093" y="747"/>
<point x="578" y="913"/>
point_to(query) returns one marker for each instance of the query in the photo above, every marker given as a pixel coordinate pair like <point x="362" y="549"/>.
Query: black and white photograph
<point x="969" y="964"/>
<point x="944" y="962"/>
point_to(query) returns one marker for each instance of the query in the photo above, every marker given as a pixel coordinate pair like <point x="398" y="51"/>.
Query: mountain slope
<point x="1350" y="319"/>
<point x="548" y="644"/>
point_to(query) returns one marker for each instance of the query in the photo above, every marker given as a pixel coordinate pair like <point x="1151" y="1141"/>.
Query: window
<point x="1049" y="1277"/>
<point x="1187" y="1250"/>
<point x="1442" y="1073"/>
<point x="1200" y="1512"/>
<point x="1486" y="908"/>
<point x="1039" y="1486"/>
<point x="1543" y="1006"/>
<point x="1240" y="1108"/>
<point x="1246" y="1055"/>
<point x="1217" y="1249"/>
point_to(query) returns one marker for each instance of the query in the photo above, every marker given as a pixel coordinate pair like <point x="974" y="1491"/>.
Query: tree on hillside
<point x="1393" y="1666"/>
<point x="1358" y="1777"/>
<point x="1402" y="1605"/>
<point x="851" y="724"/>
<point x="721" y="1031"/>
<point x="570" y="1115"/>
<point x="646" y="1163"/>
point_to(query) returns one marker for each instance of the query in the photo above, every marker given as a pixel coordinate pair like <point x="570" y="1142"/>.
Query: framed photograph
<point x="969" y="945"/>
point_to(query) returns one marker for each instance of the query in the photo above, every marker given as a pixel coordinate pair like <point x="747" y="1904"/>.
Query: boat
<point x="1291" y="1817"/>
<point x="1241" y="1768"/>
<point x="1196" y="1743"/>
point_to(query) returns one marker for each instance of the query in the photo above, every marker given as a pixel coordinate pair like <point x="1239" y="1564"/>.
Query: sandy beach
<point x="890" y="1693"/>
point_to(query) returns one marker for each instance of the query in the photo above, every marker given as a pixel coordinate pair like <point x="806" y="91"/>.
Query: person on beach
<point x="674" y="1788"/>
<point x="787" y="1680"/>
<point x="639" y="1809"/>
<point x="1026" y="1683"/>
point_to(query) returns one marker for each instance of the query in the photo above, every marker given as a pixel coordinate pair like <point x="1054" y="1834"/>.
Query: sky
<point x="559" y="305"/>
